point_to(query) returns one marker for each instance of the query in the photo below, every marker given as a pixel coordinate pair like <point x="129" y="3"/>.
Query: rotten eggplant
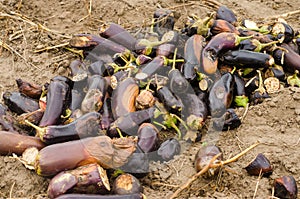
<point x="29" y="89"/>
<point x="287" y="58"/>
<point x="148" y="137"/>
<point x="285" y="187"/>
<point x="226" y="14"/>
<point x="97" y="196"/>
<point x="126" y="184"/>
<point x="86" y="179"/>
<point x="260" y="165"/>
<point x="220" y="25"/>
<point x="168" y="149"/>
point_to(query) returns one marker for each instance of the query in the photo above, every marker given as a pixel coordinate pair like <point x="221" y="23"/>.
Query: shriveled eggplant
<point x="148" y="139"/>
<point x="108" y="153"/>
<point x="88" y="179"/>
<point x="285" y="187"/>
<point x="29" y="89"/>
<point x="168" y="149"/>
<point x="259" y="165"/>
<point x="94" y="196"/>
<point x="126" y="184"/>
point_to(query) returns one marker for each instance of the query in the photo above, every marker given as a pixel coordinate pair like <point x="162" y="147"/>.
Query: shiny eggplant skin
<point x="171" y="103"/>
<point x="221" y="25"/>
<point x="221" y="95"/>
<point x="247" y="59"/>
<point x="148" y="139"/>
<point x="290" y="61"/>
<point x="19" y="103"/>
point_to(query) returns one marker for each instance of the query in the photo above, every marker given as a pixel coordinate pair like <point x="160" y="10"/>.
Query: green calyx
<point x="294" y="80"/>
<point x="241" y="101"/>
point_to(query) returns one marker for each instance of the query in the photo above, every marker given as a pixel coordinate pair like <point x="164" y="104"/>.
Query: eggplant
<point x="240" y="97"/>
<point x="150" y="69"/>
<point x="142" y="59"/>
<point x="78" y="70"/>
<point x="260" y="93"/>
<point x="247" y="59"/>
<point x="118" y="34"/>
<point x="106" y="114"/>
<point x="148" y="137"/>
<point x="226" y="14"/>
<point x="178" y="84"/>
<point x="137" y="164"/>
<point x="263" y="38"/>
<point x="255" y="45"/>
<point x="220" y="25"/>
<point x="172" y="37"/>
<point x="108" y="153"/>
<point x="88" y="179"/>
<point x="33" y="117"/>
<point x="29" y="89"/>
<point x="123" y="97"/>
<point x="288" y="58"/>
<point x="144" y="100"/>
<point x="171" y="103"/>
<point x="285" y="187"/>
<point x="100" y="68"/>
<point x="58" y="100"/>
<point x="126" y="184"/>
<point x="192" y="55"/>
<point x="276" y="71"/>
<point x="164" y="20"/>
<point x="204" y="156"/>
<point x="19" y="103"/>
<point x="218" y="44"/>
<point x="283" y="31"/>
<point x="97" y="44"/>
<point x="260" y="165"/>
<point x="12" y="142"/>
<point x="93" y="100"/>
<point x="168" y="149"/>
<point x="85" y="126"/>
<point x="130" y="122"/>
<point x="94" y="196"/>
<point x="165" y="50"/>
<point x="228" y="121"/>
<point x="194" y="111"/>
<point x="221" y="95"/>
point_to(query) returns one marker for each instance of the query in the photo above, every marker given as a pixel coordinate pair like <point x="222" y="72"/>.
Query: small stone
<point x="296" y="96"/>
<point x="259" y="113"/>
<point x="272" y="104"/>
<point x="297" y="111"/>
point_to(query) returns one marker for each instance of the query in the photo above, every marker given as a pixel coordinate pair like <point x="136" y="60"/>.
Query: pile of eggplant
<point x="131" y="96"/>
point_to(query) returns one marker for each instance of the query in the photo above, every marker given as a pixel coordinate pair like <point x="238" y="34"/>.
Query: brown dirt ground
<point x="274" y="123"/>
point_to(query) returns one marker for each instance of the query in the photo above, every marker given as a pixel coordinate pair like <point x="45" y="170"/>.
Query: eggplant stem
<point x="174" y="59"/>
<point x="159" y="124"/>
<point x="238" y="39"/>
<point x="176" y="129"/>
<point x="261" y="88"/>
<point x="180" y="120"/>
<point x="79" y="52"/>
<point x="119" y="132"/>
<point x="39" y="130"/>
<point x="233" y="70"/>
<point x="68" y="113"/>
<point x="260" y="46"/>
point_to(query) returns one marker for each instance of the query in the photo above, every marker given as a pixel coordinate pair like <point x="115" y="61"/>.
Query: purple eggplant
<point x="228" y="121"/>
<point x="168" y="149"/>
<point x="130" y="122"/>
<point x="118" y="34"/>
<point x="123" y="97"/>
<point x="58" y="100"/>
<point x="29" y="89"/>
<point x="288" y="58"/>
<point x="126" y="184"/>
<point x="192" y="55"/>
<point x="106" y="114"/>
<point x="247" y="59"/>
<point x="240" y="97"/>
<point x="221" y="95"/>
<point x="150" y="68"/>
<point x="97" y="196"/>
<point x="19" y="103"/>
<point x="259" y="165"/>
<point x="226" y="14"/>
<point x="218" y="44"/>
<point x="148" y="137"/>
<point x="285" y="187"/>
<point x="171" y="103"/>
<point x="221" y="25"/>
<point x="88" y="179"/>
<point x="283" y="31"/>
<point x="85" y="126"/>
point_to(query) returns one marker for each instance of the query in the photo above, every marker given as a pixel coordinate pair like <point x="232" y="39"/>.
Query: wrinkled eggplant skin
<point x="58" y="100"/>
<point x="89" y="196"/>
<point x="221" y="25"/>
<point x="106" y="114"/>
<point x="29" y="89"/>
<point x="126" y="184"/>
<point x="192" y="54"/>
<point x="178" y="84"/>
<point x="85" y="126"/>
<point x="19" y="103"/>
<point x="247" y="59"/>
<point x="239" y="85"/>
<point x="171" y="103"/>
<point x="168" y="149"/>
<point x="193" y="105"/>
<point x="205" y="154"/>
<point x="152" y="67"/>
<point x="221" y="95"/>
<point x="226" y="14"/>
